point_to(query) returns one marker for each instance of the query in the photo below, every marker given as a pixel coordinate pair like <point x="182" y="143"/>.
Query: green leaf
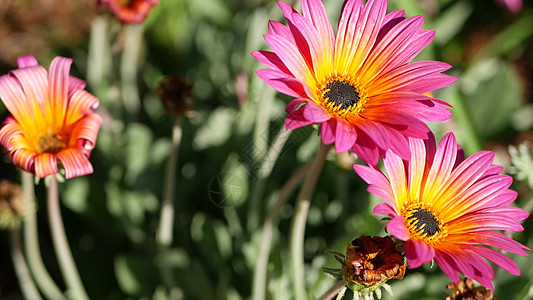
<point x="138" y="141"/>
<point x="75" y="194"/>
<point x="451" y="22"/>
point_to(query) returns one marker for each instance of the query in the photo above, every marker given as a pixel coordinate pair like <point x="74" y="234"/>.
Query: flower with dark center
<point x="446" y="208"/>
<point x="360" y="85"/>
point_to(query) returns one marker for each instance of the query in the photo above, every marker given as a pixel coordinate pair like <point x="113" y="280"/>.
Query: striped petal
<point x="75" y="163"/>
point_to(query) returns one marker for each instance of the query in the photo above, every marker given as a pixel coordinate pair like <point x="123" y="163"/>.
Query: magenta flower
<point x="513" y="6"/>
<point x="360" y="86"/>
<point x="446" y="208"/>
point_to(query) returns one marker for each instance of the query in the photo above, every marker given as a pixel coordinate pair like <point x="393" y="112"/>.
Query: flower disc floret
<point x="447" y="208"/>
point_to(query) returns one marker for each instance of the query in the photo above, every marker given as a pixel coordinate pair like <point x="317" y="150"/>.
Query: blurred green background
<point x="223" y="193"/>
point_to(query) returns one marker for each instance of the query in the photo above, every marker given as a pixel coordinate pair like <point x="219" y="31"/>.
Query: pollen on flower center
<point x="423" y="223"/>
<point x="50" y="143"/>
<point x="341" y="93"/>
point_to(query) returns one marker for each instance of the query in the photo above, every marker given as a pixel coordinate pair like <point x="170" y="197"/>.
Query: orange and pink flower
<point x="52" y="118"/>
<point x="130" y="11"/>
<point x="360" y="85"/>
<point x="447" y="208"/>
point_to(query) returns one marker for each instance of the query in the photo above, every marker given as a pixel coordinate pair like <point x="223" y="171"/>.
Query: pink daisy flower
<point x="52" y="118"/>
<point x="513" y="6"/>
<point x="446" y="208"/>
<point x="360" y="85"/>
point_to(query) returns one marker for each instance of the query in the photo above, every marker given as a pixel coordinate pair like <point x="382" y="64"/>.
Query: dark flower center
<point x="422" y="219"/>
<point x="341" y="93"/>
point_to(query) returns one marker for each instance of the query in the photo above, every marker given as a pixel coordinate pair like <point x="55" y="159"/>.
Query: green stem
<point x="99" y="59"/>
<point x="27" y="286"/>
<point x="265" y="97"/>
<point x="299" y="220"/>
<point x="260" y="272"/>
<point x="333" y="291"/>
<point x="129" y="67"/>
<point x="166" y="223"/>
<point x="31" y="242"/>
<point x="59" y="238"/>
<point x="472" y="141"/>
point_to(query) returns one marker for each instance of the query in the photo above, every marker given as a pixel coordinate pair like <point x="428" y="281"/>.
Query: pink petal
<point x="34" y="83"/>
<point x="283" y="84"/>
<point x="314" y="10"/>
<point x="75" y="84"/>
<point x="27" y="61"/>
<point x="345" y="136"/>
<point x="75" y="163"/>
<point x="81" y="103"/>
<point x="376" y="132"/>
<point x="397" y="228"/>
<point x="290" y="55"/>
<point x="271" y="60"/>
<point x="86" y="129"/>
<point x="496" y="257"/>
<point x="399" y="144"/>
<point x="418" y="252"/>
<point x="328" y="130"/>
<point x="58" y="78"/>
<point x="417" y="166"/>
<point x="366" y="149"/>
<point x="397" y="175"/>
<point x="45" y="164"/>
<point x="379" y="185"/>
<point x="446" y="265"/>
<point x="419" y="77"/>
<point x="442" y="165"/>
<point x="397" y="47"/>
<point x="295" y="104"/>
<point x="281" y="30"/>
<point x="497" y="240"/>
<point x="315" y="113"/>
<point x="296" y="119"/>
<point x="390" y="20"/>
<point x="384" y="209"/>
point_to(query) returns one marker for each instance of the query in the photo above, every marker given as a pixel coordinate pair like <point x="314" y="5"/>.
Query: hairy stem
<point x="166" y="222"/>
<point x="260" y="272"/>
<point x="333" y="291"/>
<point x="299" y="220"/>
<point x="31" y="242"/>
<point x="27" y="286"/>
<point x="59" y="238"/>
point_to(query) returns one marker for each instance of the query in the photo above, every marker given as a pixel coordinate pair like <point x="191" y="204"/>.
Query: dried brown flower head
<point x="176" y="94"/>
<point x="11" y="204"/>
<point x="368" y="264"/>
<point x="370" y="260"/>
<point x="465" y="290"/>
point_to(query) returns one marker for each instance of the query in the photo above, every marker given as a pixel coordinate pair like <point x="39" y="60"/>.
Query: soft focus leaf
<point x="138" y="141"/>
<point x="76" y="193"/>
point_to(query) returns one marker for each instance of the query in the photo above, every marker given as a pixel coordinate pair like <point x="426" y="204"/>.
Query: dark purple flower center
<point x="341" y="93"/>
<point x="424" y="220"/>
